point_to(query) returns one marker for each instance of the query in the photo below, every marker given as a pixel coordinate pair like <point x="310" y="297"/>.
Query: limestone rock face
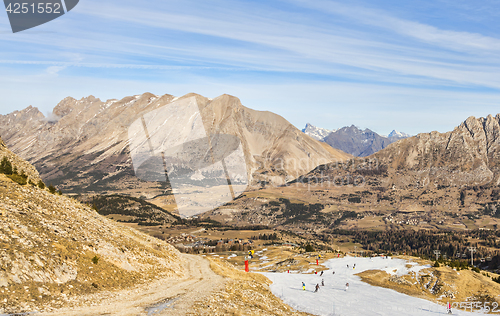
<point x="468" y="155"/>
<point x="84" y="148"/>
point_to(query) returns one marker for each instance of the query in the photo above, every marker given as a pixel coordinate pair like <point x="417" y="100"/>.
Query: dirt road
<point x="162" y="297"/>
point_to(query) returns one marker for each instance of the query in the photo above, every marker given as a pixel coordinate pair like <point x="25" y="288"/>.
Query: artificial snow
<point x="361" y="298"/>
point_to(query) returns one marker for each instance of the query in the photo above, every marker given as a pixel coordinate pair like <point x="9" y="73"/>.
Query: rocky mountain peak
<point x="482" y="128"/>
<point x="64" y="107"/>
<point x="357" y="142"/>
<point x="353" y="140"/>
<point x="68" y="104"/>
<point x="398" y="135"/>
<point x="28" y="114"/>
<point x="317" y="133"/>
<point x="468" y="155"/>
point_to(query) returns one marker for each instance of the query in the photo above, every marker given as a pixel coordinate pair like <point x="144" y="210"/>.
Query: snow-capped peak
<point x="397" y="134"/>
<point x="317" y="133"/>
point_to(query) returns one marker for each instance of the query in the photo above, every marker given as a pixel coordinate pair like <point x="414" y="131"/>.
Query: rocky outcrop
<point x="20" y="164"/>
<point x="468" y="155"/>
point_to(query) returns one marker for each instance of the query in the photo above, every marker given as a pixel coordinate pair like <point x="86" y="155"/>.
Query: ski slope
<point x="361" y="298"/>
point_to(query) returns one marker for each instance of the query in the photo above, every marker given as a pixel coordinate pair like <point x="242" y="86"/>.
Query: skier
<point x="322" y="282"/>
<point x="333" y="272"/>
<point x="321" y="274"/>
<point x="346" y="286"/>
<point x="317" y="288"/>
<point x="449" y="308"/>
<point x="354" y="267"/>
<point x="303" y="286"/>
<point x="347" y="266"/>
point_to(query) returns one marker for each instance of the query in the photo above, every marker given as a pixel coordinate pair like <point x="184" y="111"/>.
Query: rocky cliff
<point x="468" y="155"/>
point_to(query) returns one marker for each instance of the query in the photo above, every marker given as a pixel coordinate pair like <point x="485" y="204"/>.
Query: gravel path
<point x="162" y="297"/>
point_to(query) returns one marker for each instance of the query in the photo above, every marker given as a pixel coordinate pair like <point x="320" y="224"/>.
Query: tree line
<point x="422" y="243"/>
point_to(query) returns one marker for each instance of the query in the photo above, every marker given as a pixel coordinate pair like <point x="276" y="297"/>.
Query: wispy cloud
<point x="449" y="39"/>
<point x="258" y="50"/>
<point x="327" y="48"/>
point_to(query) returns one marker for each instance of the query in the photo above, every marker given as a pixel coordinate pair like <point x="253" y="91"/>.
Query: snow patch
<point x="360" y="299"/>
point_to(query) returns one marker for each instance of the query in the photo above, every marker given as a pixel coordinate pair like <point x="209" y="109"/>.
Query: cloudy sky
<point x="414" y="66"/>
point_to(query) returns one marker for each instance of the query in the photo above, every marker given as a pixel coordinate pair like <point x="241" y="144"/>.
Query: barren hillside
<point x="53" y="249"/>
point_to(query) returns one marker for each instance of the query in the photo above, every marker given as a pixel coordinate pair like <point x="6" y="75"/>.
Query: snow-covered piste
<point x="361" y="298"/>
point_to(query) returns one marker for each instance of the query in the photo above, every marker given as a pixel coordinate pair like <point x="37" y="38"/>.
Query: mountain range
<point x="444" y="181"/>
<point x="468" y="155"/>
<point x="353" y="140"/>
<point x="83" y="147"/>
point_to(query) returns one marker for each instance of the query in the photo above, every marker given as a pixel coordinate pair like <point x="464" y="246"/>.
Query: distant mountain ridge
<point x="398" y="135"/>
<point x="353" y="140"/>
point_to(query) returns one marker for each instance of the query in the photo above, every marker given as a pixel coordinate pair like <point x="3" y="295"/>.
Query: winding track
<point x="178" y="295"/>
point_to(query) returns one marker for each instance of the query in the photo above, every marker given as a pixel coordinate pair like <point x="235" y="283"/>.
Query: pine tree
<point x="52" y="189"/>
<point x="41" y="185"/>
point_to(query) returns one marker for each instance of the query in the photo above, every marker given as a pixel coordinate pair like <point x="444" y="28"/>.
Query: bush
<point x="436" y="264"/>
<point x="41" y="185"/>
<point x="476" y="270"/>
<point x="52" y="189"/>
<point x="355" y="199"/>
<point x="95" y="260"/>
<point x="497" y="279"/>
<point x="21" y="179"/>
<point x="309" y="248"/>
<point x="6" y="166"/>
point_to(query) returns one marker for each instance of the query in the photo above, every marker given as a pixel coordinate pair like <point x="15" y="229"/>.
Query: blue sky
<point x="414" y="66"/>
